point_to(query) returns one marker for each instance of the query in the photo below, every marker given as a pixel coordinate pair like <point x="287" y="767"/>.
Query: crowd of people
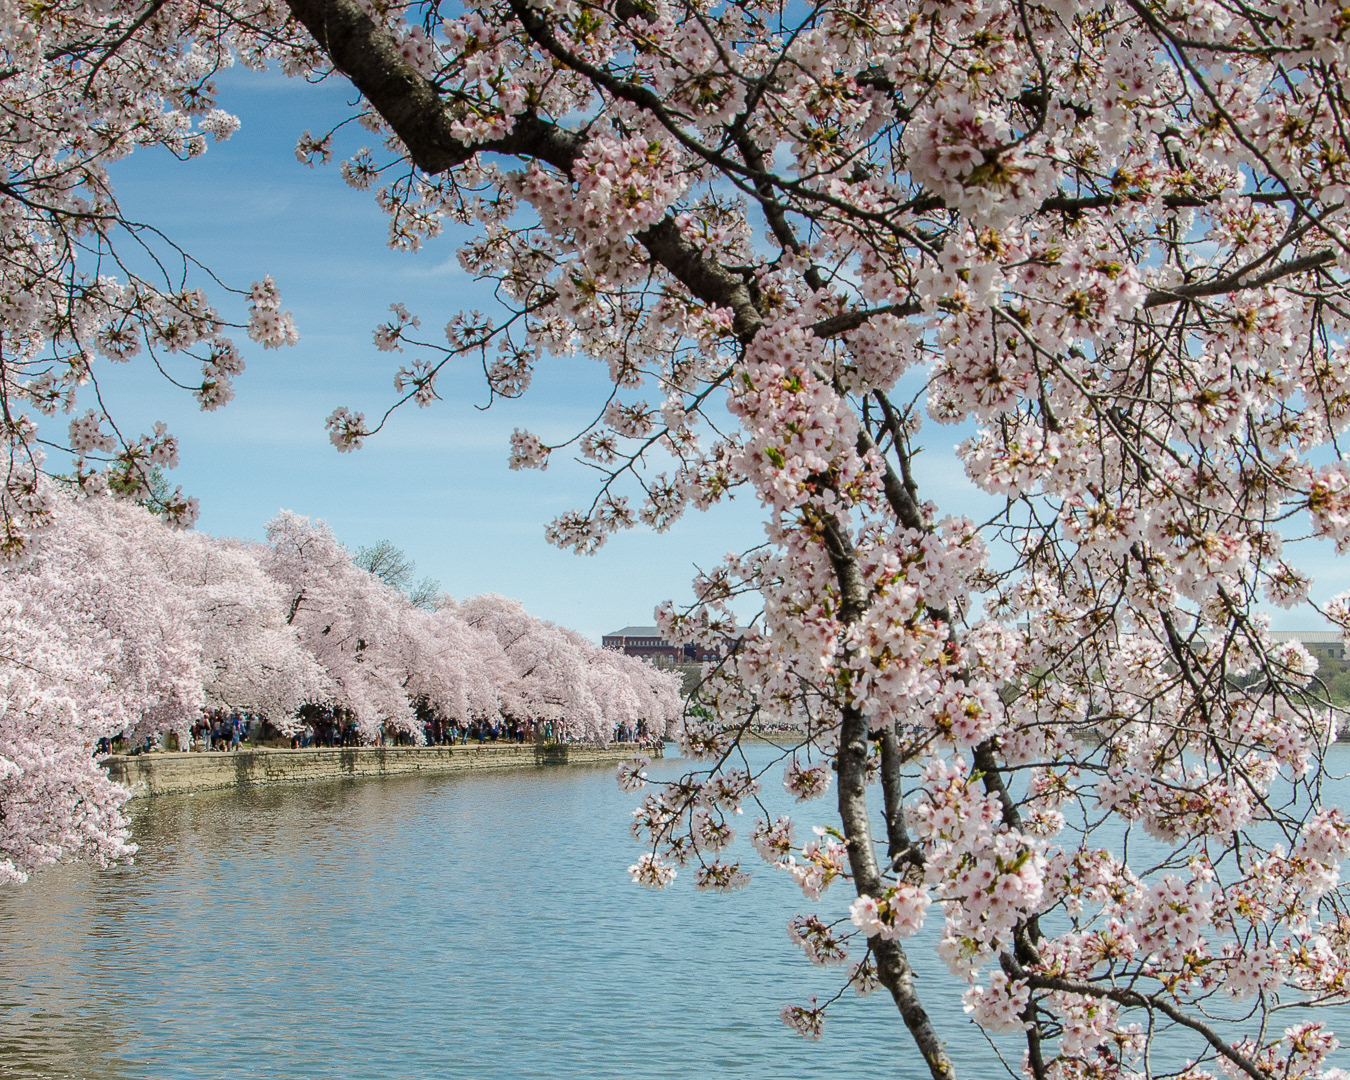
<point x="220" y="731"/>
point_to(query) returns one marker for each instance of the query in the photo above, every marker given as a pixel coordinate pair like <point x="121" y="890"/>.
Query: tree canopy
<point x="121" y="626"/>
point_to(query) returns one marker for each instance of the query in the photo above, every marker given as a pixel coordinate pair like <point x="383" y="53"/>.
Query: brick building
<point x="647" y="642"/>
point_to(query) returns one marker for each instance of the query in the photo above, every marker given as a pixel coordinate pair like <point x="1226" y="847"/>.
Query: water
<point x="459" y="926"/>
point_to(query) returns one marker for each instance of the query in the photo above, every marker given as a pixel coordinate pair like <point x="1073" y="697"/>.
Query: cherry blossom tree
<point x="381" y="655"/>
<point x="85" y="286"/>
<point x="57" y="698"/>
<point x="91" y="571"/>
<point x="251" y="660"/>
<point x="192" y="620"/>
<point x="460" y="671"/>
<point x="94" y="642"/>
<point x="632" y="691"/>
<point x="552" y="675"/>
<point x="347" y="618"/>
<point x="1108" y="238"/>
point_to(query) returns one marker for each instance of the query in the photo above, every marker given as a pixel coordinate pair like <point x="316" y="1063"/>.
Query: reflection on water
<point x="457" y="926"/>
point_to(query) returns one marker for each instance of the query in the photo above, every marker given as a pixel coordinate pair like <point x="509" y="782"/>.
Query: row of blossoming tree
<point x="1108" y="236"/>
<point x="118" y="624"/>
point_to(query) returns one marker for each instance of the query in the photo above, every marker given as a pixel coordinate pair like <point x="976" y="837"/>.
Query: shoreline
<point x="172" y="773"/>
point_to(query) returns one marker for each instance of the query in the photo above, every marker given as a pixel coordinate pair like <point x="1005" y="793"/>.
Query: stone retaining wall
<point x="168" y="773"/>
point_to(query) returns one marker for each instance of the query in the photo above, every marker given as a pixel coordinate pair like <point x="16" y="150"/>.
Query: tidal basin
<point x="460" y="926"/>
<point x="471" y="925"/>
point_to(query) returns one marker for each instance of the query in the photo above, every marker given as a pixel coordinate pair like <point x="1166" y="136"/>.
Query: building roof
<point x="636" y="631"/>
<point x="1309" y="637"/>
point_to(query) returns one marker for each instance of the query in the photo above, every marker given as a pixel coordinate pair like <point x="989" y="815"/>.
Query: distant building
<point x="648" y="642"/>
<point x="1329" y="644"/>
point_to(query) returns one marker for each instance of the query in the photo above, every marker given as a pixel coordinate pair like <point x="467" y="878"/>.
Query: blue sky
<point x="435" y="481"/>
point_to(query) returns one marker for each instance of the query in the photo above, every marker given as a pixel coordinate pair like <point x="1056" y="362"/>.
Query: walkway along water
<point x="172" y="773"/>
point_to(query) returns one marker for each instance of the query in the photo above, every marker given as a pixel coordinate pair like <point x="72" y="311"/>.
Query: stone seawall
<point x="169" y="773"/>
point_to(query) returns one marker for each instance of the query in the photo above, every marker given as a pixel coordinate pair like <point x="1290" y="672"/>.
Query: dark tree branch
<point x="366" y="53"/>
<point x="851" y="320"/>
<point x="1234" y="282"/>
<point x="893" y="967"/>
<point x="1135" y="999"/>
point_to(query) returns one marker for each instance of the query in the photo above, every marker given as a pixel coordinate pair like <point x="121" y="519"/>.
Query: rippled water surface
<point x="455" y="926"/>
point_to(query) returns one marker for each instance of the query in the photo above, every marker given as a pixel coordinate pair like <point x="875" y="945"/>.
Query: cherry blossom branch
<point x="1235" y="282"/>
<point x="1152" y="1002"/>
<point x="893" y="967"/>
